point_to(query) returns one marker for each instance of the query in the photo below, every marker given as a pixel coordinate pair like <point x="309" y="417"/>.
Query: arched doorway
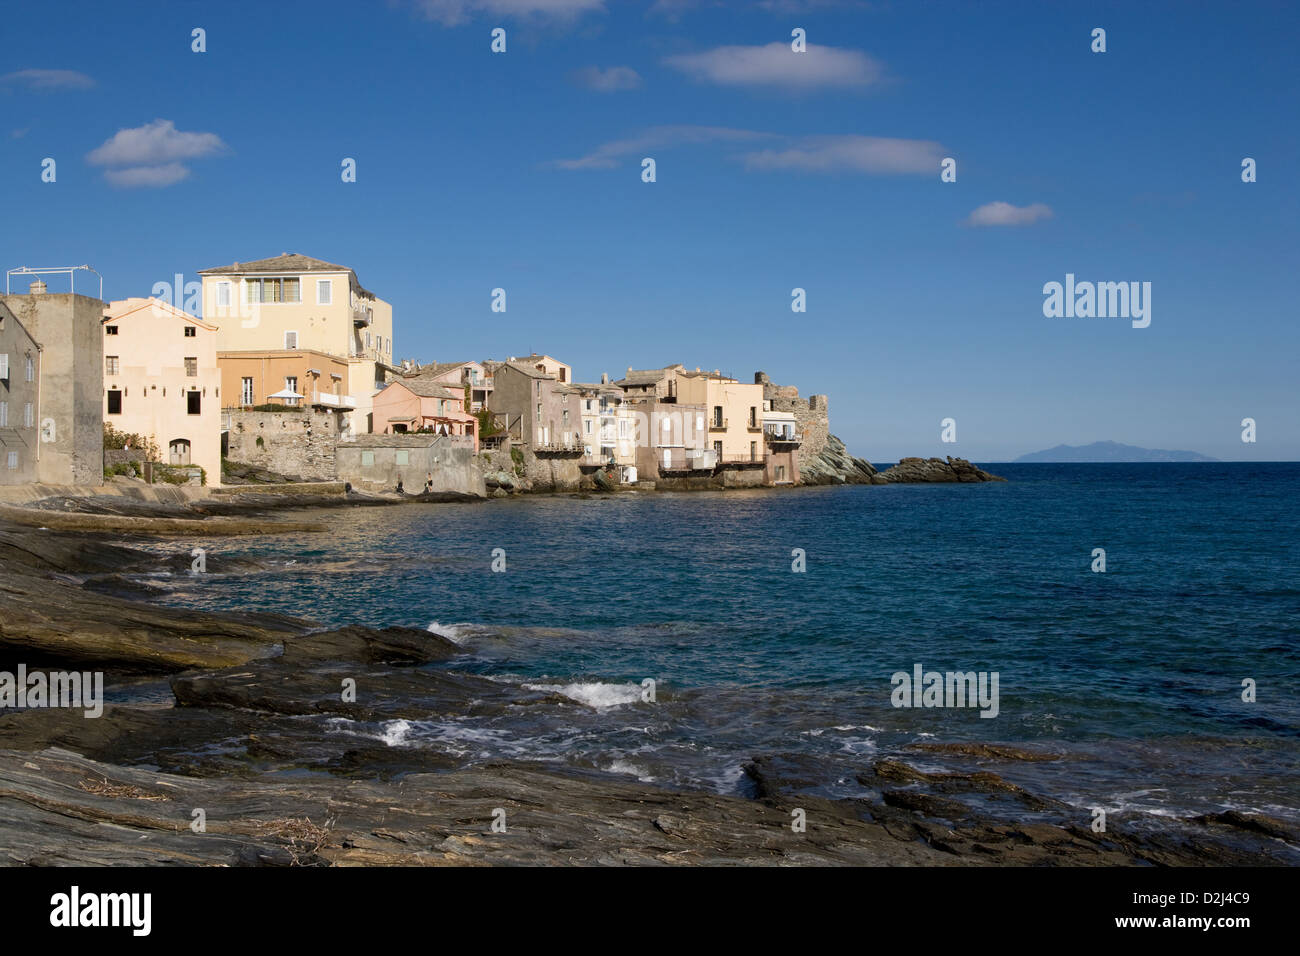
<point x="178" y="451"/>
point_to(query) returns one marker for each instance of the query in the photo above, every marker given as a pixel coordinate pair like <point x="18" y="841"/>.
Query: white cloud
<point x="607" y="155"/>
<point x="156" y="142"/>
<point x="1005" y="214"/>
<point x="167" y="174"/>
<point x="452" y="13"/>
<point x="607" y="81"/>
<point x="50" y="79"/>
<point x="150" y="155"/>
<point x="776" y="64"/>
<point x="859" y="154"/>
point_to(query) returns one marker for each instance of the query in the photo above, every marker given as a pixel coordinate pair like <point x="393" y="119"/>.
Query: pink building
<point x="420" y="404"/>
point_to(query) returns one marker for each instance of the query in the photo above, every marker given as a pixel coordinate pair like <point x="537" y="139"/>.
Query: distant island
<point x="1110" y="451"/>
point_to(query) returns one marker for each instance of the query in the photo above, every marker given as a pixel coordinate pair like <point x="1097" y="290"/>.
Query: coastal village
<point x="290" y="375"/>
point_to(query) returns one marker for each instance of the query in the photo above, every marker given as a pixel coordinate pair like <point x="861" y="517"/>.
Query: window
<point x="367" y="459"/>
<point x="291" y="385"/>
<point x="191" y="366"/>
<point x="324" y="291"/>
<point x="223" y="295"/>
<point x="717" y="449"/>
<point x="291" y="340"/>
<point x="115" y="401"/>
<point x="780" y="472"/>
<point x="753" y="451"/>
<point x="699" y="423"/>
<point x="191" y="332"/>
<point x="273" y="290"/>
<point x="31" y="369"/>
<point x="4" y="364"/>
<point x="566" y="416"/>
<point x="403" y="457"/>
<point x="753" y="416"/>
<point x="110" y="330"/>
<point x="622" y="427"/>
<point x="194" y="403"/>
<point x="4" y="414"/>
<point x="587" y="427"/>
<point x="29" y="415"/>
<point x="13" y="460"/>
<point x="539" y="410"/>
<point x="112" y="365"/>
<point x="717" y="416"/>
<point x="246" y="391"/>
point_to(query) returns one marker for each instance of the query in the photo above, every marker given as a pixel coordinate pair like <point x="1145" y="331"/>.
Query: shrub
<point x="115" y="439"/>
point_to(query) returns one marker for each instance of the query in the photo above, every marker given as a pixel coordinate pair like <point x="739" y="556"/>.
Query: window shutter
<point x="4" y="364"/>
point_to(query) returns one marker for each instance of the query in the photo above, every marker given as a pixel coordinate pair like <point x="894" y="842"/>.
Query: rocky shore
<point x="241" y="725"/>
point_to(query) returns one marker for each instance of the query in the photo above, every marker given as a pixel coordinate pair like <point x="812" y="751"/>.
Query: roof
<point x="648" y="376"/>
<point x="427" y="388"/>
<point x="120" y="308"/>
<point x="286" y="262"/>
<point x="442" y="368"/>
<point x="529" y="370"/>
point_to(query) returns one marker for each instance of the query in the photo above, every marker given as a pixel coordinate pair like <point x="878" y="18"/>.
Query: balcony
<point x="753" y="459"/>
<point x="330" y="400"/>
<point x="783" y="437"/>
<point x="717" y="424"/>
<point x="361" y="318"/>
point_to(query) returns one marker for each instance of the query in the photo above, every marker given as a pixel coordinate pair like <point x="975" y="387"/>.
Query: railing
<point x="361" y="318"/>
<point x="686" y="459"/>
<point x="783" y="437"/>
<point x="559" y="448"/>
<point x="717" y="424"/>
<point x="752" y="459"/>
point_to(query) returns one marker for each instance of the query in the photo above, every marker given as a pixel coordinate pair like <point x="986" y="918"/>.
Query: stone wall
<point x="299" y="444"/>
<point x="812" y="415"/>
<point x="550" y="472"/>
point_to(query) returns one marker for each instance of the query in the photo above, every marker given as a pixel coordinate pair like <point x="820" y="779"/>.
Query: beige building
<point x="161" y="381"/>
<point x="734" y="413"/>
<point x="294" y="303"/>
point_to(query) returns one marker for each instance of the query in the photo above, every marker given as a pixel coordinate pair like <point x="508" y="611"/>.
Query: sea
<point x="690" y="633"/>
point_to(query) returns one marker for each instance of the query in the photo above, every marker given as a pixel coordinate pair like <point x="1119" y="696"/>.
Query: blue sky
<point x="775" y="170"/>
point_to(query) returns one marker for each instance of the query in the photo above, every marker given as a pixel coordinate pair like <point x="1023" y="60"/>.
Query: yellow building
<point x="734" y="412"/>
<point x="161" y="381"/>
<point x="294" y="303"/>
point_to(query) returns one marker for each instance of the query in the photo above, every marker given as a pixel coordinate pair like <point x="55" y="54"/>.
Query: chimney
<point x="37" y="288"/>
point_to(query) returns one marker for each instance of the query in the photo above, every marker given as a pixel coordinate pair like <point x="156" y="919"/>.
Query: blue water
<point x="1134" y="676"/>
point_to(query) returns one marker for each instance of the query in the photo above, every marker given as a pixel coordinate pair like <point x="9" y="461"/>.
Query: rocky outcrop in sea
<point x="922" y="470"/>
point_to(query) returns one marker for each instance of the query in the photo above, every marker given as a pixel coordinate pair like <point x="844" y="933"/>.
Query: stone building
<point x="811" y="416"/>
<point x="68" y="376"/>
